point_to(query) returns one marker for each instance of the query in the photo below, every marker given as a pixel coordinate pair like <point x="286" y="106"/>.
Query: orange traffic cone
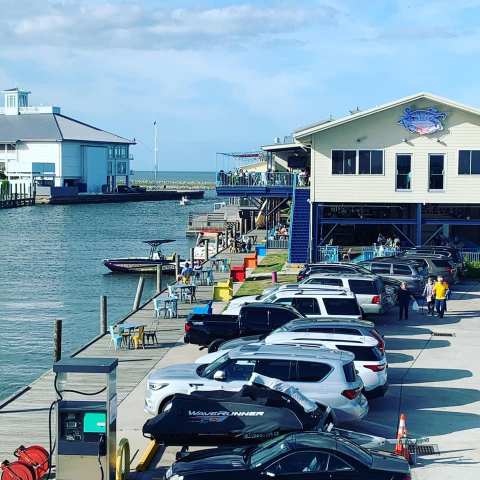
<point x="401" y="447"/>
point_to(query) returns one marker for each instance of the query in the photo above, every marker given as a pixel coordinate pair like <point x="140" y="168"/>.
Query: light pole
<point x="156" y="148"/>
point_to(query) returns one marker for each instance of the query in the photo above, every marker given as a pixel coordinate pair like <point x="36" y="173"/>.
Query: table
<point x="130" y="326"/>
<point x="205" y="276"/>
<point x="219" y="264"/>
<point x="182" y="288"/>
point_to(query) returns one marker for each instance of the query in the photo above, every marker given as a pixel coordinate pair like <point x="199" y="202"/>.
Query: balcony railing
<point x="255" y="179"/>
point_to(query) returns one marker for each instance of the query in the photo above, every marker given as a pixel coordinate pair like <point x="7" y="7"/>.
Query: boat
<point x="184" y="200"/>
<point x="144" y="264"/>
<point x="199" y="251"/>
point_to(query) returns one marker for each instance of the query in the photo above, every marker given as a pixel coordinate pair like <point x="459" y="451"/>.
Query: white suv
<point x="369" y="289"/>
<point x="310" y="302"/>
<point x="326" y="376"/>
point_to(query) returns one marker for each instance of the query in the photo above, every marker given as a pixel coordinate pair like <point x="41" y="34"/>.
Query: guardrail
<point x="255" y="179"/>
<point x="278" y="244"/>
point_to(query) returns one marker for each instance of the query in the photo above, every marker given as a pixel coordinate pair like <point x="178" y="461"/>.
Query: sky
<point x="223" y="76"/>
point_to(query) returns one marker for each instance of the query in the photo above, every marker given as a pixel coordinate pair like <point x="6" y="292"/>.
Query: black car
<point x="305" y="456"/>
<point x="210" y="330"/>
<point x="340" y="268"/>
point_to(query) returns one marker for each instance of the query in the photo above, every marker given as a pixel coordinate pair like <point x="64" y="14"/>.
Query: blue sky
<point x="230" y="76"/>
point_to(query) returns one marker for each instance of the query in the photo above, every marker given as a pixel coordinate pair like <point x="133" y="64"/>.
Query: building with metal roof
<point x="39" y="145"/>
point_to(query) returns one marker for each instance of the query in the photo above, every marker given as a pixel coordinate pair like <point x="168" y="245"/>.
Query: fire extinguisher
<point x="36" y="457"/>
<point x="17" y="471"/>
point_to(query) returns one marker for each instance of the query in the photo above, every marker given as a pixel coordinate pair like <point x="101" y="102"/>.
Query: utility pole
<point x="156" y="148"/>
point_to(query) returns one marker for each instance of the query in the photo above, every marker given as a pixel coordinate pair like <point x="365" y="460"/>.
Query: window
<point x="344" y="162"/>
<point x="404" y="172"/>
<point x="335" y="282"/>
<point x="109" y="168"/>
<point x="350" y="372"/>
<point x="367" y="287"/>
<point x="110" y="152"/>
<point x="281" y="369"/>
<point x="312" y="372"/>
<point x="121" y="168"/>
<point x="335" y="464"/>
<point x="300" y="462"/>
<point x="436" y="172"/>
<point x="469" y="162"/>
<point x="401" y="270"/>
<point x="307" y="306"/>
<point x="370" y="162"/>
<point x="255" y="318"/>
<point x="363" y="354"/>
<point x="380" y="268"/>
<point x="341" y="306"/>
<point x="11" y="147"/>
<point x="239" y="369"/>
<point x="441" y="263"/>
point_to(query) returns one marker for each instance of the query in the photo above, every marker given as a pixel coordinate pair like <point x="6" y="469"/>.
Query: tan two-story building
<point x="409" y="168"/>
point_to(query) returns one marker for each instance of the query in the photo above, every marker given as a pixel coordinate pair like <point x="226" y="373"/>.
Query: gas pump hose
<point x="123" y="460"/>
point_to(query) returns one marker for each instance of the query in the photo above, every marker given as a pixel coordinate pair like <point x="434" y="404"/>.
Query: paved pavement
<point x="434" y="380"/>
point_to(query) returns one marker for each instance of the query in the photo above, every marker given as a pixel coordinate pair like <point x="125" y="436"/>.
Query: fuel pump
<point x="86" y="418"/>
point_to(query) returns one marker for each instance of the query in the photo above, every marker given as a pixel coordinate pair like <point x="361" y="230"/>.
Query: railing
<point x="471" y="254"/>
<point x="378" y="251"/>
<point x="278" y="244"/>
<point x="255" y="179"/>
<point x="327" y="253"/>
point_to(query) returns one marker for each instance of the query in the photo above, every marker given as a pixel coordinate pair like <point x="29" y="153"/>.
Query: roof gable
<point x="318" y="127"/>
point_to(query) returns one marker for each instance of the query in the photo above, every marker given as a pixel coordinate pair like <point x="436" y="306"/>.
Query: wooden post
<point x="192" y="255"/>
<point x="159" y="278"/>
<point x="207" y="241"/>
<point x="57" y="341"/>
<point x="177" y="266"/>
<point x="217" y="247"/>
<point x="103" y="315"/>
<point x="138" y="295"/>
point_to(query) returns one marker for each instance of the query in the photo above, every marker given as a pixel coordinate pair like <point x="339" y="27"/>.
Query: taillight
<point x="449" y="269"/>
<point x="405" y="476"/>
<point x="375" y="368"/>
<point x="351" y="394"/>
<point x="187" y="327"/>
<point x="381" y="342"/>
<point x="376" y="299"/>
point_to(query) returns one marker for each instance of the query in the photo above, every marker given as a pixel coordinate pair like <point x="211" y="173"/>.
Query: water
<point x="175" y="176"/>
<point x="51" y="268"/>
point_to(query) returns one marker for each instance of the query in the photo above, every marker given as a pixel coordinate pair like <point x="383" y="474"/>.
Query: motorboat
<point x="144" y="264"/>
<point x="185" y="200"/>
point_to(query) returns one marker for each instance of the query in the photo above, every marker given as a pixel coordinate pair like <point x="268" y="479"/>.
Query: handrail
<point x="255" y="179"/>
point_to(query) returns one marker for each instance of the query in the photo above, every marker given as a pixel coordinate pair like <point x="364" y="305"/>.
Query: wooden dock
<point x="16" y="196"/>
<point x="24" y="419"/>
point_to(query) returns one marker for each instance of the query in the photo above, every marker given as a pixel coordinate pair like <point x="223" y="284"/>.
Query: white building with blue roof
<point x="39" y="145"/>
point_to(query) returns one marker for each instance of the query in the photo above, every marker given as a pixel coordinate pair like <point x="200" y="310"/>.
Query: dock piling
<point x="206" y="249"/>
<point x="138" y="295"/>
<point x="57" y="341"/>
<point x="159" y="278"/>
<point x="103" y="314"/>
<point x="192" y="255"/>
<point x="177" y="265"/>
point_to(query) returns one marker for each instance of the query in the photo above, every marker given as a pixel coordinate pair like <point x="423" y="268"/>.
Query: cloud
<point x="94" y="25"/>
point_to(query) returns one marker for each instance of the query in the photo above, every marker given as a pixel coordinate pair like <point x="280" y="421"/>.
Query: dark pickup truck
<point x="254" y="319"/>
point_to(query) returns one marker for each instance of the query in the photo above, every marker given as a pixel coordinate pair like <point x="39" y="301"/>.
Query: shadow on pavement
<point x="415" y="343"/>
<point x="393" y="357"/>
<point x="425" y="375"/>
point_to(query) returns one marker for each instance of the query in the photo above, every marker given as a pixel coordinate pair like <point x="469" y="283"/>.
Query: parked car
<point x="329" y="325"/>
<point x="256" y="318"/>
<point x="450" y="252"/>
<point x="399" y="269"/>
<point x="325" y="376"/>
<point x="436" y="265"/>
<point x="307" y="455"/>
<point x="370" y="362"/>
<point x="369" y="289"/>
<point x="335" y="267"/>
<point x="270" y="295"/>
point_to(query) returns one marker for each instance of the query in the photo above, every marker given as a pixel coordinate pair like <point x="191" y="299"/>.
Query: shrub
<point x="472" y="269"/>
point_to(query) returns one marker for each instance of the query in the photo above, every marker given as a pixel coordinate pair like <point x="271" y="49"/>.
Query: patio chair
<point x="116" y="339"/>
<point x="151" y="334"/>
<point x="138" y="338"/>
<point x="159" y="307"/>
<point x="171" y="307"/>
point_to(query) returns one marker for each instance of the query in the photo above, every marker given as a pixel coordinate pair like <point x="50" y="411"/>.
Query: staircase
<point x="299" y="226"/>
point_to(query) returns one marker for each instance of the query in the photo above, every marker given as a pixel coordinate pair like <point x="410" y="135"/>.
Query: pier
<point x="30" y="405"/>
<point x="16" y="196"/>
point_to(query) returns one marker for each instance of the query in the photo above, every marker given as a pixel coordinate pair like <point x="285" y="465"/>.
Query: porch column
<point x="418" y="229"/>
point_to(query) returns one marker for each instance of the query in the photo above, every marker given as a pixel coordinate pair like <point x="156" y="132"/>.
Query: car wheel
<point x="165" y="406"/>
<point x="213" y="347"/>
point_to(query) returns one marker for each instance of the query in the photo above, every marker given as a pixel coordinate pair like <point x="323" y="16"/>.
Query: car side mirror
<point x="219" y="375"/>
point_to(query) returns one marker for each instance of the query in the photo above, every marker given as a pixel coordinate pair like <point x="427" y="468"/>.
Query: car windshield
<point x="270" y="450"/>
<point x="215" y="365"/>
<point x="357" y="451"/>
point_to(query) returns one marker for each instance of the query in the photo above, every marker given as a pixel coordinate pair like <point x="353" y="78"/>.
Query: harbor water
<point x="51" y="268"/>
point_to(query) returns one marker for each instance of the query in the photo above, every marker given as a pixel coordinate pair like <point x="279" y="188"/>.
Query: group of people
<point x="435" y="293"/>
<point x="188" y="272"/>
<point x="388" y="242"/>
<point x="239" y="244"/>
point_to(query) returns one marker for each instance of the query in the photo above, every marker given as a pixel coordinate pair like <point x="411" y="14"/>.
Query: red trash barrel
<point x="274" y="277"/>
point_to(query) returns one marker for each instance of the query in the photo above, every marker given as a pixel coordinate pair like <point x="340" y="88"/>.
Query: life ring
<point x="123" y="460"/>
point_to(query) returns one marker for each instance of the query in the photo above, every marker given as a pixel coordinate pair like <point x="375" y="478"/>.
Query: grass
<point x="256" y="287"/>
<point x="273" y="262"/>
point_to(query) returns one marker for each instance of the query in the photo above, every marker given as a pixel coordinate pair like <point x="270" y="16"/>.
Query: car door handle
<point x="196" y="384"/>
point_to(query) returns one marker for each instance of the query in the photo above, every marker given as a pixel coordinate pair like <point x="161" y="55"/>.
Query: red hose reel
<point x="32" y="464"/>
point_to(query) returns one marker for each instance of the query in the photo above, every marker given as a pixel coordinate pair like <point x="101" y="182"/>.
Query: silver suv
<point x="326" y="376"/>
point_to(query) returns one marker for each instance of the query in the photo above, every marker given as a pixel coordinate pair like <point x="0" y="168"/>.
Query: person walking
<point x="440" y="291"/>
<point x="429" y="296"/>
<point x="404" y="297"/>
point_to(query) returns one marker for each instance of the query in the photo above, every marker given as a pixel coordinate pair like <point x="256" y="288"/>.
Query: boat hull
<point x="138" y="265"/>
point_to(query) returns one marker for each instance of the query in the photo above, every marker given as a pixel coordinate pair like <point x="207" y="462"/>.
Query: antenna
<point x="156" y="148"/>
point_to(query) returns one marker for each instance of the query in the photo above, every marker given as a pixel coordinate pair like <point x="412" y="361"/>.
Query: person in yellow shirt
<point x="440" y="291"/>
